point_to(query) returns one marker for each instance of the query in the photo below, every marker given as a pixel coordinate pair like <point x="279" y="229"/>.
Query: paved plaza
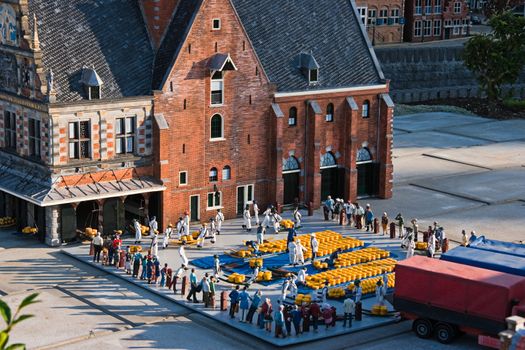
<point x="464" y="172"/>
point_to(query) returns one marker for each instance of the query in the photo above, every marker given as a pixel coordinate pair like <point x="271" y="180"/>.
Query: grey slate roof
<point x="329" y="29"/>
<point x="107" y="34"/>
<point x="172" y="42"/>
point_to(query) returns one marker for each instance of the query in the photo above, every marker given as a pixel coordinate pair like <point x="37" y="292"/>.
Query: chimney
<point x="157" y="15"/>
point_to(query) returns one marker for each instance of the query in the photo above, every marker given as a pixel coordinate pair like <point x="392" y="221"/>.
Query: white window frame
<point x="457" y="7"/>
<point x="418" y="8"/>
<point x="230" y="173"/>
<point x="437" y="27"/>
<point x="394" y="14"/>
<point x="215" y="206"/>
<point x="428" y="7"/>
<point x="125" y="134"/>
<point x="221" y="138"/>
<point x="329" y="117"/>
<point x="363" y="12"/>
<point x="418" y="28"/>
<point x="35" y="140"/>
<point x="11" y="133"/>
<point x="372" y="14"/>
<point x="247" y="200"/>
<point x="217" y="82"/>
<point x="383" y="15"/>
<point x="216" y="175"/>
<point x="367" y="114"/>
<point x="79" y="140"/>
<point x="427" y="27"/>
<point x="183" y="172"/>
<point x="437" y="6"/>
<point x="213" y="21"/>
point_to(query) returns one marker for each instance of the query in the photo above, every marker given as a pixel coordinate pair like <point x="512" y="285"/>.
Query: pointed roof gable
<point x="173" y="40"/>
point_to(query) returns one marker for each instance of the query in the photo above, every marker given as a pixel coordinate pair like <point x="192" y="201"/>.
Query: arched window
<point x="216" y="127"/>
<point x="226" y="173"/>
<point x="213" y="175"/>
<point x="330" y="112"/>
<point x="365" y="113"/>
<point x="328" y="160"/>
<point x="292" y="117"/>
<point x="291" y="165"/>
<point x="364" y="156"/>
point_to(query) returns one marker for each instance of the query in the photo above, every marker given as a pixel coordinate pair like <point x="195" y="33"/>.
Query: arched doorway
<point x="329" y="178"/>
<point x="87" y="216"/>
<point x="366" y="176"/>
<point x="291" y="174"/>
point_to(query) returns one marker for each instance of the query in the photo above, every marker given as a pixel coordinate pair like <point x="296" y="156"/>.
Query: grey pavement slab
<point x="127" y="301"/>
<point x="414" y="201"/>
<point x="60" y="318"/>
<point x="434" y="120"/>
<point x="426" y="141"/>
<point x="413" y="168"/>
<point x="491" y="187"/>
<point x="500" y="130"/>
<point x="503" y="222"/>
<point x="490" y="156"/>
<point x="36" y="267"/>
<point x="181" y="333"/>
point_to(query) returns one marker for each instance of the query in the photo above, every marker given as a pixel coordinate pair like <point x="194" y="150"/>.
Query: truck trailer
<point x="445" y="299"/>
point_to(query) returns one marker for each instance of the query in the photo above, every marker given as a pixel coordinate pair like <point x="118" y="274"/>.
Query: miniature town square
<point x="261" y="174"/>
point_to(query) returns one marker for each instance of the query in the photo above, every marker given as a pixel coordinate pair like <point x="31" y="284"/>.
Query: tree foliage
<point x="11" y="320"/>
<point x="497" y="58"/>
<point x="495" y="7"/>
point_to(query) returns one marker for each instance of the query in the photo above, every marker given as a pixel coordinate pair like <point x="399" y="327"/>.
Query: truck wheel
<point x="445" y="333"/>
<point x="422" y="327"/>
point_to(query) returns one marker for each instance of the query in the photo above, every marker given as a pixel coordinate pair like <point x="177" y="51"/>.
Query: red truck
<point x="445" y="298"/>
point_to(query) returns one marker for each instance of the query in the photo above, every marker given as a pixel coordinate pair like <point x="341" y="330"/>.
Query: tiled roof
<point x="109" y="35"/>
<point x="328" y="29"/>
<point x="172" y="42"/>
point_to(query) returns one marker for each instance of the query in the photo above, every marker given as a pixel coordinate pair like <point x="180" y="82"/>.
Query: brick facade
<point x="256" y="140"/>
<point x="428" y="20"/>
<point x="383" y="20"/>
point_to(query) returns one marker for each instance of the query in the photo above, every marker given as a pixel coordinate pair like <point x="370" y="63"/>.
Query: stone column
<point x="100" y="204"/>
<point x="351" y="148"/>
<point x="146" y="206"/>
<point x="386" y="170"/>
<point x="314" y="113"/>
<point x="53" y="226"/>
<point x="30" y="214"/>
<point x="279" y="182"/>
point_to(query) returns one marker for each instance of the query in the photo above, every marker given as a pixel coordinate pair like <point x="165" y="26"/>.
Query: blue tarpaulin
<point x="499" y="246"/>
<point x="511" y="264"/>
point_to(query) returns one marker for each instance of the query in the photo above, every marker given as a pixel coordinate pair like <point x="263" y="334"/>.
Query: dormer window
<point x="92" y="83"/>
<point x="218" y="65"/>
<point x="308" y="66"/>
<point x="94" y="92"/>
<point x="314" y="75"/>
<point x="216" y="24"/>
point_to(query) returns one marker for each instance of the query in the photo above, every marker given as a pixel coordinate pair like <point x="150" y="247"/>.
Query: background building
<point x="384" y="20"/>
<point x="428" y="20"/>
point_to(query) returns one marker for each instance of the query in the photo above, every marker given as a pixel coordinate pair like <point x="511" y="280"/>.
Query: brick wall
<point x="157" y="15"/>
<point x="185" y="104"/>
<point x="313" y="136"/>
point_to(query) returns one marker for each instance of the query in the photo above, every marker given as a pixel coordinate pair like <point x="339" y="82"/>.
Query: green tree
<point x="497" y="58"/>
<point x="12" y="320"/>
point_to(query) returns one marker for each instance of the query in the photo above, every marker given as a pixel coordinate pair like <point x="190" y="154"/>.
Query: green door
<point x="329" y="183"/>
<point x="194" y="208"/>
